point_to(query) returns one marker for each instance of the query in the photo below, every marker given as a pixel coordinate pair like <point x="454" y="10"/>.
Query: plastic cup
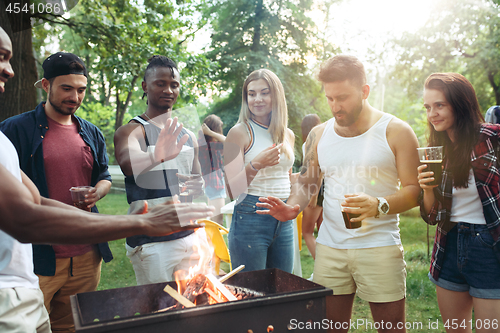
<point x="433" y="158"/>
<point x="347" y="219"/>
<point x="185" y="197"/>
<point x="78" y="195"/>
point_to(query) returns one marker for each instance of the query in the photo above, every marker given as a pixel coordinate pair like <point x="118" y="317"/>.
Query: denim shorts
<point x="259" y="241"/>
<point x="213" y="194"/>
<point x="470" y="263"/>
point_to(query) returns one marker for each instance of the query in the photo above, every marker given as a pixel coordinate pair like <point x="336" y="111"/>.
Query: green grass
<point x="421" y="303"/>
<point x="117" y="273"/>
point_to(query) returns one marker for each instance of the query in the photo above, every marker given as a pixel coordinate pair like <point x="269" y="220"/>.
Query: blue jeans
<point x="259" y="241"/>
<point x="470" y="263"/>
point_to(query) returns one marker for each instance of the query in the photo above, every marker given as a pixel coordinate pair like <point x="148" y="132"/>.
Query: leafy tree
<point x="102" y="116"/>
<point x="278" y="35"/>
<point x="20" y="93"/>
<point x="460" y="36"/>
<point x="116" y="37"/>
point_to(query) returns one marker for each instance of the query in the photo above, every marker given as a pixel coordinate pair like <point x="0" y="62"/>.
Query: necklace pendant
<point x="154" y="122"/>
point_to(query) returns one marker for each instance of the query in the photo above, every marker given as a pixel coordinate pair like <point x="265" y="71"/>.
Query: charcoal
<point x="243" y="293"/>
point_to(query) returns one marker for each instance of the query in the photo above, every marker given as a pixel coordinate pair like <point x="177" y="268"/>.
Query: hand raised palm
<point x="278" y="209"/>
<point x="167" y="146"/>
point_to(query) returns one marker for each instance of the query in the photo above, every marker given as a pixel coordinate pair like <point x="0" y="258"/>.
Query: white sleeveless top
<point x="466" y="205"/>
<point x="274" y="180"/>
<point x="16" y="259"/>
<point x="364" y="163"/>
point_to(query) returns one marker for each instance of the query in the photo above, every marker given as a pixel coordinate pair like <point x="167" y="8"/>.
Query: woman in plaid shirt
<point x="465" y="263"/>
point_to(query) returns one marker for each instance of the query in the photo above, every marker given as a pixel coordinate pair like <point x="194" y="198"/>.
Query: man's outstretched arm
<point x="57" y="223"/>
<point x="303" y="189"/>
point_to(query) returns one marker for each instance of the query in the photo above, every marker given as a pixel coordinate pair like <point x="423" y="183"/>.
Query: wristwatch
<point x="383" y="207"/>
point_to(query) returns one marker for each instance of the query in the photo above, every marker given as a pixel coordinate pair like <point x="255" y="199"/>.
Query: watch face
<point x="385" y="208"/>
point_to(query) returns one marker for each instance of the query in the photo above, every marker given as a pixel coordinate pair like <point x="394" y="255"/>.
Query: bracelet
<point x="251" y="165"/>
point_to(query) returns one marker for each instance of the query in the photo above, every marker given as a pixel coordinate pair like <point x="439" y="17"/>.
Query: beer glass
<point x="347" y="219"/>
<point x="433" y="158"/>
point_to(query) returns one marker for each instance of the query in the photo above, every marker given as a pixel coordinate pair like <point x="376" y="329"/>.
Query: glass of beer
<point x="78" y="195"/>
<point x="184" y="194"/>
<point x="433" y="158"/>
<point x="347" y="219"/>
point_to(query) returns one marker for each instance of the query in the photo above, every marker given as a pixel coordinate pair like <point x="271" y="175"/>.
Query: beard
<point x="60" y="108"/>
<point x="350" y="117"/>
<point x="160" y="106"/>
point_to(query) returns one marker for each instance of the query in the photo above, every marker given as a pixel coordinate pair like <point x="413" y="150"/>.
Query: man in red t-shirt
<point x="64" y="152"/>
<point x="28" y="217"/>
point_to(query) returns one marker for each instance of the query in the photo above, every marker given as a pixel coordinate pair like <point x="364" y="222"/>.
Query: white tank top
<point x="364" y="163"/>
<point x="274" y="180"/>
<point x="16" y="259"/>
<point x="466" y="205"/>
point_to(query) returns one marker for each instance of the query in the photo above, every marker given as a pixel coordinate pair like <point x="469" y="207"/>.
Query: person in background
<point x="258" y="158"/>
<point x="369" y="160"/>
<point x="155" y="153"/>
<point x="465" y="263"/>
<point x="59" y="150"/>
<point x="493" y="115"/>
<point x="29" y="217"/>
<point x="211" y="146"/>
<point x="312" y="215"/>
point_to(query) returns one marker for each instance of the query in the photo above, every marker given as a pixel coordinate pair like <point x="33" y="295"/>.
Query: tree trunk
<point x="20" y="94"/>
<point x="118" y="118"/>
<point x="108" y="95"/>
<point x="496" y="87"/>
<point x="122" y="108"/>
<point x="259" y="9"/>
<point x="102" y="90"/>
<point x="88" y="92"/>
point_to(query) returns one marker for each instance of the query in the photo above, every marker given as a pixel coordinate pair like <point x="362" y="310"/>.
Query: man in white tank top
<point x="369" y="162"/>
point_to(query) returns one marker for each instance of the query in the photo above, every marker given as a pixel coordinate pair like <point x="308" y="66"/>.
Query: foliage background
<point x="116" y="37"/>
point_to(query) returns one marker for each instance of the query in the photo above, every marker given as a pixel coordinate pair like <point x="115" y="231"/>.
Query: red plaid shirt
<point x="487" y="175"/>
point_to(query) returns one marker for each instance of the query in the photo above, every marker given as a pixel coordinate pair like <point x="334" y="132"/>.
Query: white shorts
<point x="376" y="274"/>
<point x="157" y="262"/>
<point x="22" y="311"/>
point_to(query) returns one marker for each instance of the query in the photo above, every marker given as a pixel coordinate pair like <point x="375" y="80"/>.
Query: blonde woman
<point x="258" y="154"/>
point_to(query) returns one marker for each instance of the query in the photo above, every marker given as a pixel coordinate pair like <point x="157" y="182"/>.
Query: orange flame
<point x="204" y="248"/>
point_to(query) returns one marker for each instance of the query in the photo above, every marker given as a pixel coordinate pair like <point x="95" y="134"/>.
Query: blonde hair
<point x="279" y="115"/>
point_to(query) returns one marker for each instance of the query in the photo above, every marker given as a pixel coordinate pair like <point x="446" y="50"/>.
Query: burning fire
<point x="204" y="265"/>
<point x="198" y="285"/>
<point x="207" y="289"/>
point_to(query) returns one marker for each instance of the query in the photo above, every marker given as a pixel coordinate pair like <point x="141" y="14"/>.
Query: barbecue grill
<point x="132" y="309"/>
